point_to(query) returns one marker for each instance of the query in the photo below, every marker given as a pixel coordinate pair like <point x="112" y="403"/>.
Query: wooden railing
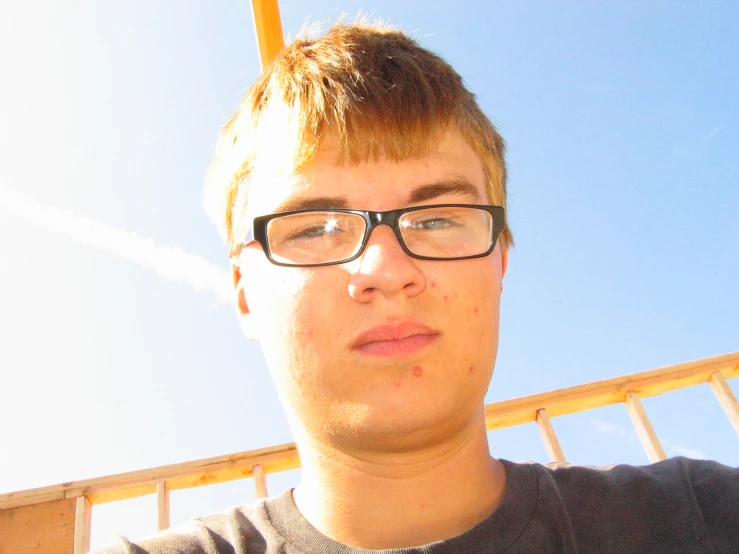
<point x="77" y="498"/>
<point x="629" y="390"/>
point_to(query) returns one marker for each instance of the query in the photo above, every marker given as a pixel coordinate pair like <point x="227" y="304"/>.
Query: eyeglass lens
<point x="329" y="237"/>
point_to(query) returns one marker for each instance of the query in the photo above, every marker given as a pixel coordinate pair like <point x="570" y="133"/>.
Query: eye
<point x="316" y="230"/>
<point x="307" y="232"/>
<point x="433" y="222"/>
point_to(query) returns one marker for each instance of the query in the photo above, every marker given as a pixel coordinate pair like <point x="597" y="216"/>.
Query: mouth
<point x="393" y="340"/>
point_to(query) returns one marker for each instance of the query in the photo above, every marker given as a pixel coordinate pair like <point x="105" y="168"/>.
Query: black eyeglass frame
<point x="390" y="218"/>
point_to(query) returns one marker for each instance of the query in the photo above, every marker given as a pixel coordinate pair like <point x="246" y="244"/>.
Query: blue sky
<point x="119" y="348"/>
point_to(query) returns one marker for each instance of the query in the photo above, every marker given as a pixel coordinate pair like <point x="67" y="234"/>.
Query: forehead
<point x="450" y="168"/>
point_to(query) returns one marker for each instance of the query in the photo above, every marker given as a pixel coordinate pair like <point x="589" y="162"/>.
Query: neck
<point x="381" y="500"/>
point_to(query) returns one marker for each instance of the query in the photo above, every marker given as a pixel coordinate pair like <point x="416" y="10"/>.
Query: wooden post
<point x="162" y="505"/>
<point x="82" y="524"/>
<point x="549" y="436"/>
<point x="260" y="481"/>
<point x="726" y="398"/>
<point x="644" y="428"/>
<point x="268" y="28"/>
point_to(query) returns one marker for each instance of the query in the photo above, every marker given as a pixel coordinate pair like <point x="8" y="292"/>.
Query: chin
<point x="393" y="429"/>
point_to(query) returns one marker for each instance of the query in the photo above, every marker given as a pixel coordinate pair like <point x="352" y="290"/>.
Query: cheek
<point x="483" y="309"/>
<point x="469" y="297"/>
<point x="273" y="295"/>
<point x="296" y="315"/>
<point x="471" y="293"/>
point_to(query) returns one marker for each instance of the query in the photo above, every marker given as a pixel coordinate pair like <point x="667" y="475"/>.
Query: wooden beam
<point x="609" y="391"/>
<point x="551" y="443"/>
<point x="12" y="500"/>
<point x="268" y="28"/>
<point x="184" y="476"/>
<point x="82" y="524"/>
<point x="162" y="505"/>
<point x="644" y="428"/>
<point x="260" y="481"/>
<point x="206" y="471"/>
<point x="726" y="398"/>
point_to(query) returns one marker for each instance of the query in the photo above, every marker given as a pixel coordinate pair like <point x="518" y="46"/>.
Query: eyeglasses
<point x="309" y="238"/>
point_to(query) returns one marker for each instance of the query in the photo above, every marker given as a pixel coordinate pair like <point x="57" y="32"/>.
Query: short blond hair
<point x="371" y="88"/>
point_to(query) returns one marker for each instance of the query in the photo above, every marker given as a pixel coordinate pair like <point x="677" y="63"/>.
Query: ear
<point x="246" y="318"/>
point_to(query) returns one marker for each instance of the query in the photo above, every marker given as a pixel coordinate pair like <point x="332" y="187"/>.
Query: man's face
<point x="432" y="325"/>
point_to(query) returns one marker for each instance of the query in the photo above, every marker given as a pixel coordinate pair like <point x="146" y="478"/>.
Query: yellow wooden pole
<point x="260" y="481"/>
<point x="551" y="443"/>
<point x="644" y="427"/>
<point x="82" y="524"/>
<point x="268" y="28"/>
<point x="162" y="505"/>
<point x="726" y="398"/>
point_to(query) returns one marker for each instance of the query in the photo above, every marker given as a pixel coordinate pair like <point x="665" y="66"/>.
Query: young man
<point x="362" y="194"/>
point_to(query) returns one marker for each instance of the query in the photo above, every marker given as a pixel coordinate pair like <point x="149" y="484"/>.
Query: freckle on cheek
<point x="418" y="371"/>
<point x="472" y="368"/>
<point x="475" y="309"/>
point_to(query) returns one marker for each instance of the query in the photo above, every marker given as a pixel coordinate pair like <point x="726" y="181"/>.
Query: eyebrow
<point x="458" y="186"/>
<point x="315" y="203"/>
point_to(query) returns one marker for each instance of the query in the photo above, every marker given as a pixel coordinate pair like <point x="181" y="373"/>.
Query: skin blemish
<point x="475" y="309"/>
<point x="472" y="368"/>
<point x="433" y="284"/>
<point x="446" y="298"/>
<point x="418" y="371"/>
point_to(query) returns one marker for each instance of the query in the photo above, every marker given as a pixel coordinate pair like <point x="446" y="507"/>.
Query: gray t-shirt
<point x="675" y="506"/>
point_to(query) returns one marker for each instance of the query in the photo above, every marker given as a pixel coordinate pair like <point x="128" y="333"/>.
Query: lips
<point x="397" y="339"/>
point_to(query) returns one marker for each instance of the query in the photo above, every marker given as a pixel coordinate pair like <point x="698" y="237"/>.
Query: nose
<point x="384" y="269"/>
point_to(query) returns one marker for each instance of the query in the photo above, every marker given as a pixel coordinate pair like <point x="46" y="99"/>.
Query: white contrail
<point x="169" y="262"/>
